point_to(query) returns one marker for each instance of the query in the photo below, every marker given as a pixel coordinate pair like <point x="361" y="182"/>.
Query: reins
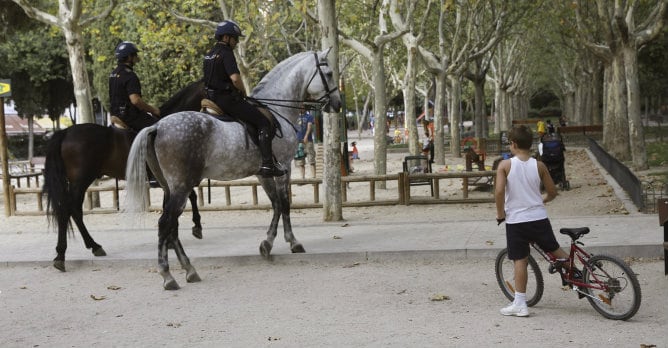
<point x="290" y="103"/>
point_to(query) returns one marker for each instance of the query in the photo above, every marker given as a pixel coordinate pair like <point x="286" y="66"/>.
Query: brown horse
<point x="78" y="155"/>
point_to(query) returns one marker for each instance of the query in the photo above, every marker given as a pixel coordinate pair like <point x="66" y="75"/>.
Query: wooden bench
<point x="418" y="165"/>
<point x="23" y="170"/>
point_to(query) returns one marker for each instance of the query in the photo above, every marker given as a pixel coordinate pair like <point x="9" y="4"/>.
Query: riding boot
<point x="268" y="168"/>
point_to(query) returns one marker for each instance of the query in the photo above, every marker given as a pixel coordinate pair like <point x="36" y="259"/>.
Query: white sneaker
<point x="518" y="311"/>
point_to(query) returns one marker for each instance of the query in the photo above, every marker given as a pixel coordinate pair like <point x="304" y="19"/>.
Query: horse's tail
<point x="56" y="188"/>
<point x="135" y="172"/>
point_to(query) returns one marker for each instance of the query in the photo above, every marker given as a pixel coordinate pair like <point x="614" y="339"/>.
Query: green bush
<point x="550" y="111"/>
<point x="18" y="146"/>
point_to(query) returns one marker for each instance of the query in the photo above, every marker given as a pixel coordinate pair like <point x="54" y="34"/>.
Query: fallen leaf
<point x="98" y="298"/>
<point x="336" y="237"/>
<point x="351" y="266"/>
<point x="489" y="242"/>
<point x="114" y="287"/>
<point x="440" y="297"/>
<point x="23" y="288"/>
<point x="273" y="338"/>
<point x="175" y="325"/>
<point x="401" y="292"/>
<point x="345" y="225"/>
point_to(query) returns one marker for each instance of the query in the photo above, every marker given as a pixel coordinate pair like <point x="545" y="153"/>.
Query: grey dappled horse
<point x="186" y="147"/>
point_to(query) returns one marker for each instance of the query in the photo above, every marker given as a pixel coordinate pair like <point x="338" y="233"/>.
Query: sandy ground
<point x="306" y="304"/>
<point x="290" y="304"/>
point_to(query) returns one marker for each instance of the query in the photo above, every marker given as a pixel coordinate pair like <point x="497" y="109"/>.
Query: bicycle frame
<point x="576" y="252"/>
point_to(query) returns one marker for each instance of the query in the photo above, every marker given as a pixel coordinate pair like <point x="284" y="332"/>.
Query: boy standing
<point x="520" y="203"/>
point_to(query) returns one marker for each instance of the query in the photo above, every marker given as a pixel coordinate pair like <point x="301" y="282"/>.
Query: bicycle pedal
<point x="551" y="269"/>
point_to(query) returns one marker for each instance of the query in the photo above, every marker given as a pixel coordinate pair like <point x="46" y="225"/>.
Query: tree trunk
<point x="479" y="119"/>
<point x="439" y="118"/>
<point x="331" y="207"/>
<point x="636" y="135"/>
<point x="379" y="111"/>
<point x="409" y="100"/>
<point x="75" y="49"/>
<point x="31" y="136"/>
<point x="615" y="129"/>
<point x="455" y="116"/>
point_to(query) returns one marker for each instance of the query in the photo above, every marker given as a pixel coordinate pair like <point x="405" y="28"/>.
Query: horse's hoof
<point x="193" y="277"/>
<point x="99" y="252"/>
<point x="59" y="264"/>
<point x="197" y="232"/>
<point x="265" y="249"/>
<point x="298" y="248"/>
<point x="171" y="285"/>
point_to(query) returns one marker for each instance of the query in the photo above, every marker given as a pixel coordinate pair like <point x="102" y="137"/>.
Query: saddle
<point x="209" y="107"/>
<point x="118" y="123"/>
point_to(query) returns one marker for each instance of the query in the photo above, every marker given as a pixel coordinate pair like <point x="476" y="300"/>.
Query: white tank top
<point x="524" y="201"/>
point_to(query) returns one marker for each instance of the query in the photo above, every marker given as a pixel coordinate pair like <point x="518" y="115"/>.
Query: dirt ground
<point x="444" y="303"/>
<point x="313" y="304"/>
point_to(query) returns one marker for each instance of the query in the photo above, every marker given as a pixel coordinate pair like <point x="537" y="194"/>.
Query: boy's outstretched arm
<point x="500" y="188"/>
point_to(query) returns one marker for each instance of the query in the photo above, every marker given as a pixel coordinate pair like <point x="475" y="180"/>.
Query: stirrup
<point x="268" y="172"/>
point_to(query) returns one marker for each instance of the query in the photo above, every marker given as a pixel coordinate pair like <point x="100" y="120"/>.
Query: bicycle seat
<point x="575" y="233"/>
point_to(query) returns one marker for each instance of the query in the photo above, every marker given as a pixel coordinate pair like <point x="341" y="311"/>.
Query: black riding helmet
<point x="125" y="49"/>
<point x="228" y="27"/>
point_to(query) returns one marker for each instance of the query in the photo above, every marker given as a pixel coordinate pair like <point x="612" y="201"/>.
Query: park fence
<point x="213" y="195"/>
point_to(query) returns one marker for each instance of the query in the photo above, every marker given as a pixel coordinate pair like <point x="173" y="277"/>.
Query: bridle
<point x="323" y="79"/>
<point x="323" y="101"/>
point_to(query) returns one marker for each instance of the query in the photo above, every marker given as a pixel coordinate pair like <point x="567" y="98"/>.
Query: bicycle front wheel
<point x="615" y="291"/>
<point x="505" y="276"/>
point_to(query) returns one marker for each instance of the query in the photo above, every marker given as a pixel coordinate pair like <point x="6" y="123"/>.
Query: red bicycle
<point x="608" y="283"/>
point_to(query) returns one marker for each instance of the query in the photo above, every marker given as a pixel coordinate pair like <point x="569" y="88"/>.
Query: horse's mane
<point x="181" y="97"/>
<point x="279" y="70"/>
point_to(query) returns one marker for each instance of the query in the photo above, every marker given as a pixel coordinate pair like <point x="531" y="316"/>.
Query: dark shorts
<point x="518" y="237"/>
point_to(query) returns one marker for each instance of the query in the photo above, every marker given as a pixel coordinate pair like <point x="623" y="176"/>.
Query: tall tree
<point x="332" y="208"/>
<point x="447" y="60"/>
<point x="36" y="61"/>
<point x="404" y="20"/>
<point x="71" y="20"/>
<point x="618" y="47"/>
<point x="374" y="52"/>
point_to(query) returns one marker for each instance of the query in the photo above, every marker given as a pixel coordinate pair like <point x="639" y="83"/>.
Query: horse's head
<point x="322" y="86"/>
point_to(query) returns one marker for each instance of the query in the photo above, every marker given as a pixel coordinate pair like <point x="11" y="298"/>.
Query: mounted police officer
<point x="125" y="90"/>
<point x="225" y="88"/>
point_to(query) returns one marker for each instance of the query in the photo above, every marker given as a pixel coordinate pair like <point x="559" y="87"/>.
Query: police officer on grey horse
<point x="225" y="88"/>
<point x="125" y="90"/>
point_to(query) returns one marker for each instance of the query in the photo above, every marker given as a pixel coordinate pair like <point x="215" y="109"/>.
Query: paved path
<point x="389" y="237"/>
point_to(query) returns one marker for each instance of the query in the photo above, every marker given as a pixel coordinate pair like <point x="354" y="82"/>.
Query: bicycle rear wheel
<point x="617" y="292"/>
<point x="505" y="276"/>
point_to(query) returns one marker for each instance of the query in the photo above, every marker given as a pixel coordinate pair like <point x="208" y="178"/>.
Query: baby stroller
<point x="552" y="154"/>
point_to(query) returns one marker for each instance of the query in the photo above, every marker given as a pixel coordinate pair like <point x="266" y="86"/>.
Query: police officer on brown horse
<point x="225" y="88"/>
<point x="125" y="90"/>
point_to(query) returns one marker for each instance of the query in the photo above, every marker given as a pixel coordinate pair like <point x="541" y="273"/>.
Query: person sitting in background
<point x="550" y="127"/>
